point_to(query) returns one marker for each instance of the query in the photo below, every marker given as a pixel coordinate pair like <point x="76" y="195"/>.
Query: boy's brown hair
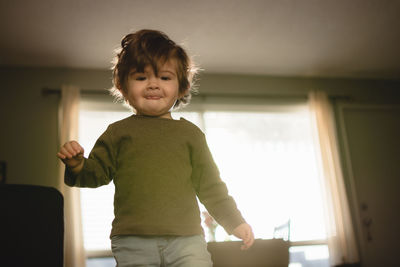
<point x="152" y="48"/>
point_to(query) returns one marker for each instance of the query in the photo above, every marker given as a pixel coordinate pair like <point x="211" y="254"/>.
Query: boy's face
<point x="153" y="95"/>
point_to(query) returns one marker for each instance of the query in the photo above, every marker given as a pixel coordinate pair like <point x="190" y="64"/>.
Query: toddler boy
<point x="158" y="165"/>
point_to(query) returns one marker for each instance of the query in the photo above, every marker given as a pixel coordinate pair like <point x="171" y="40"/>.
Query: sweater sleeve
<point x="98" y="168"/>
<point x="211" y="190"/>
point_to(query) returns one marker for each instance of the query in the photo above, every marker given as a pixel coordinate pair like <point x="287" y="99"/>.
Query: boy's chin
<point x="155" y="112"/>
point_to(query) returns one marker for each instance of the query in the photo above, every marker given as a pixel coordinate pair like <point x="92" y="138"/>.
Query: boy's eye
<point x="140" y="78"/>
<point x="165" y="78"/>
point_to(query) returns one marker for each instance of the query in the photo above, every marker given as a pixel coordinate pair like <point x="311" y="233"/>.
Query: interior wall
<point x="28" y="136"/>
<point x="29" y="120"/>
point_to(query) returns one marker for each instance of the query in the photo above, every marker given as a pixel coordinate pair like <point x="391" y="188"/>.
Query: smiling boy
<point x="158" y="165"/>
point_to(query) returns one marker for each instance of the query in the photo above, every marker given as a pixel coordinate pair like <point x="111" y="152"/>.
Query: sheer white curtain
<point x="340" y="232"/>
<point x="74" y="253"/>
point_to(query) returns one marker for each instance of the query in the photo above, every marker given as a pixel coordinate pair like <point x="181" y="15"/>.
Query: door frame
<point x="354" y="199"/>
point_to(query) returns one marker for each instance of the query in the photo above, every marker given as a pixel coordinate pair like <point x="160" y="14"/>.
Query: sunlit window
<point x="266" y="158"/>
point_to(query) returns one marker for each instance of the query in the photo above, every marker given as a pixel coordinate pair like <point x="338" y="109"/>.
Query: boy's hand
<point x="71" y="153"/>
<point x="245" y="233"/>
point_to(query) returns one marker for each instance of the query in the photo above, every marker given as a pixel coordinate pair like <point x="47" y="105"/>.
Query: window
<point x="267" y="161"/>
<point x="265" y="155"/>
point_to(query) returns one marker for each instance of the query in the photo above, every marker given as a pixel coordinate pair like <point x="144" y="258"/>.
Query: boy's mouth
<point x="152" y="97"/>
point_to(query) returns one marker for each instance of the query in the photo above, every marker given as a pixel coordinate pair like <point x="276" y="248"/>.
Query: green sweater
<point x="158" y="167"/>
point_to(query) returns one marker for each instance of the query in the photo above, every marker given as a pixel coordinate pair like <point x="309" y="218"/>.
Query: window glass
<point x="267" y="161"/>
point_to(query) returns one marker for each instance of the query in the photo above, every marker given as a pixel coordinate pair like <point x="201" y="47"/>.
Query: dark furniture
<point x="31" y="226"/>
<point x="263" y="253"/>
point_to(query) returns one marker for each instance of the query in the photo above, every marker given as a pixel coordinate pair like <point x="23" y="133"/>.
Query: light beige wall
<point x="28" y="135"/>
<point x="361" y="90"/>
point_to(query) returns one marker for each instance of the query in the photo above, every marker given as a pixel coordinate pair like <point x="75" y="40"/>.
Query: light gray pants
<point x="171" y="251"/>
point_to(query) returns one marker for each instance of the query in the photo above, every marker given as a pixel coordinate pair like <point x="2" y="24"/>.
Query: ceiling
<point x="325" y="38"/>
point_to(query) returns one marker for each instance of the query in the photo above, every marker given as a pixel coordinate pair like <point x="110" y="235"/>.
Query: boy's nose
<point x="153" y="83"/>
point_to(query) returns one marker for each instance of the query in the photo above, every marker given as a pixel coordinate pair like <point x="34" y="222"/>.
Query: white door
<point x="371" y="136"/>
